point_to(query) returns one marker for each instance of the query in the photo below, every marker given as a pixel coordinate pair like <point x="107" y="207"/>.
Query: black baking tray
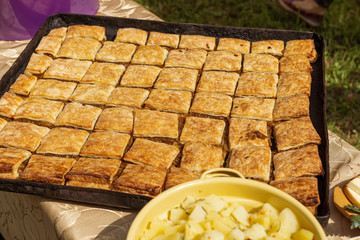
<point x="112" y="24"/>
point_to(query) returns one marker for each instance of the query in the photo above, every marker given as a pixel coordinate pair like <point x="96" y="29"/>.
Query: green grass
<point x="340" y="29"/>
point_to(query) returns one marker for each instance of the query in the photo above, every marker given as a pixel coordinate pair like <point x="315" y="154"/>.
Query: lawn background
<point x="340" y="29"/>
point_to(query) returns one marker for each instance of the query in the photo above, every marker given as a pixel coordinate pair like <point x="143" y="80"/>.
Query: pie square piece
<point x="218" y="82"/>
<point x="252" y="161"/>
<point x="295" y="133"/>
<point x="129" y="97"/>
<point x="3" y="122"/>
<point x="115" y="119"/>
<point x="39" y="109"/>
<point x="79" y="48"/>
<point x="58" y="32"/>
<point x="207" y="130"/>
<point x="303" y="189"/>
<point x="105" y="144"/>
<point x="150" y="54"/>
<point x="197" y="41"/>
<point x="131" y="35"/>
<point x="291" y="107"/>
<point x="156" y="154"/>
<point x="177" y="176"/>
<point x="177" y="79"/>
<point x="38" y="64"/>
<point x="148" y="123"/>
<point x="300" y="162"/>
<point x="67" y="69"/>
<point x="163" y="39"/>
<point x="199" y="156"/>
<point x="253" y="108"/>
<point x="256" y="62"/>
<point x="78" y="115"/>
<point x="92" y="93"/>
<point x="11" y="161"/>
<point x="63" y="141"/>
<point x="247" y="132"/>
<point x="223" y="60"/>
<point x="211" y="104"/>
<point x="53" y="89"/>
<point x="188" y="58"/>
<point x="140" y="76"/>
<point x="294" y="83"/>
<point x="104" y="73"/>
<point x="257" y="85"/>
<point x="23" y="84"/>
<point x="295" y="63"/>
<point x="116" y="52"/>
<point x="9" y="103"/>
<point x="234" y="44"/>
<point x="49" y="45"/>
<point x="301" y="46"/>
<point x="169" y="100"/>
<point x="273" y="47"/>
<point x="93" y="173"/>
<point x="141" y="179"/>
<point x="47" y="169"/>
<point x="87" y="31"/>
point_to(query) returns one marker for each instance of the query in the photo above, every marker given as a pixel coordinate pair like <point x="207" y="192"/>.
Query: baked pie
<point x="273" y="47"/>
<point x="38" y="64"/>
<point x="131" y="35"/>
<point x="290" y="107"/>
<point x="67" y="69"/>
<point x="23" y="84"/>
<point x="177" y="79"/>
<point x="116" y="52"/>
<point x="53" y="89"/>
<point x="3" y="122"/>
<point x="253" y="108"/>
<point x="234" y="44"/>
<point x="197" y="41"/>
<point x="213" y="104"/>
<point x="140" y="76"/>
<point x="87" y="31"/>
<point x="12" y="162"/>
<point x="294" y="63"/>
<point x="186" y="58"/>
<point x="150" y="54"/>
<point x="294" y="83"/>
<point x="49" y="45"/>
<point x="257" y="62"/>
<point x="128" y="97"/>
<point x="177" y="176"/>
<point x="92" y="93"/>
<point x="9" y="103"/>
<point x="223" y="60"/>
<point x="104" y="73"/>
<point x="218" y="82"/>
<point x="79" y="48"/>
<point x="301" y="46"/>
<point x="257" y="85"/>
<point x="163" y="39"/>
<point x="115" y="119"/>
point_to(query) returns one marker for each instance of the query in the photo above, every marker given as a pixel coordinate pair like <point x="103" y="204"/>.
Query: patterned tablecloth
<point x="32" y="217"/>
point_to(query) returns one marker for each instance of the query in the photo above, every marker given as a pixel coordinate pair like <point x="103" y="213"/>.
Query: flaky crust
<point x="177" y="176"/>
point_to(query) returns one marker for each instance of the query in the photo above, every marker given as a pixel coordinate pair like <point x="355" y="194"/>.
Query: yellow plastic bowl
<point x="222" y="183"/>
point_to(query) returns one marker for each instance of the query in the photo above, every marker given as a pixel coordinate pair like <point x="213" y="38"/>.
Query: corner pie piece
<point x="253" y="108"/>
<point x="177" y="79"/>
<point x="140" y="76"/>
<point x="148" y="123"/>
<point x="131" y="35"/>
<point x="213" y="104"/>
<point x="199" y="156"/>
<point x="63" y="141"/>
<point x="87" y="31"/>
<point x="197" y="41"/>
<point x="129" y="97"/>
<point x="22" y="135"/>
<point x="93" y="173"/>
<point x="9" y="103"/>
<point x="104" y="73"/>
<point x="79" y="48"/>
<point x="273" y="47"/>
<point x="156" y="154"/>
<point x="11" y="160"/>
<point x="67" y="69"/>
<point x="247" y="132"/>
<point x="49" y="45"/>
<point x="234" y="44"/>
<point x="39" y="109"/>
<point x="177" y="176"/>
<point x="295" y="133"/>
<point x="300" y="162"/>
<point x="252" y="162"/>
<point x="257" y="85"/>
<point x="92" y="93"/>
<point x="140" y="179"/>
<point x="105" y="144"/>
<point x="291" y="107"/>
<point x="115" y="119"/>
<point x="218" y="82"/>
<point x="188" y="58"/>
<point x="150" y="54"/>
<point x="23" y="84"/>
<point x="53" y="89"/>
<point x="58" y="32"/>
<point x="294" y="83"/>
<point x="47" y="169"/>
<point x="116" y="52"/>
<point x="256" y="62"/>
<point x="223" y="60"/>
<point x="38" y="64"/>
<point x="163" y="39"/>
<point x="207" y="130"/>
<point x="78" y="115"/>
<point x="169" y="100"/>
<point x="301" y="46"/>
<point x="295" y="63"/>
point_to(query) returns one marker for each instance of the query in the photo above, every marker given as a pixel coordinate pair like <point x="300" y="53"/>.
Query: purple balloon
<point x="21" y="19"/>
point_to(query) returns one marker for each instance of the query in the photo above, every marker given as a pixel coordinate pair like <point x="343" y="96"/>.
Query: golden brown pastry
<point x="87" y="31"/>
<point x="9" y="104"/>
<point x="131" y="35"/>
<point x="177" y="176"/>
<point x="273" y="47"/>
<point x="218" y="82"/>
<point x="265" y="63"/>
<point x="38" y="64"/>
<point x="301" y="46"/>
<point x="53" y="89"/>
<point x="104" y="73"/>
<point x="294" y="63"/>
<point x="128" y="97"/>
<point x="257" y="85"/>
<point x="23" y="84"/>
<point x="163" y="39"/>
<point x="79" y="48"/>
<point x="115" y="119"/>
<point x="92" y="93"/>
<point x="234" y="44"/>
<point x="187" y="58"/>
<point x="140" y="76"/>
<point x="116" y="52"/>
<point x="11" y="160"/>
<point x="67" y="69"/>
<point x="253" y="108"/>
<point x="295" y="106"/>
<point x="197" y="41"/>
<point x="177" y="79"/>
<point x="150" y="54"/>
<point x="213" y="104"/>
<point x="223" y="60"/>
